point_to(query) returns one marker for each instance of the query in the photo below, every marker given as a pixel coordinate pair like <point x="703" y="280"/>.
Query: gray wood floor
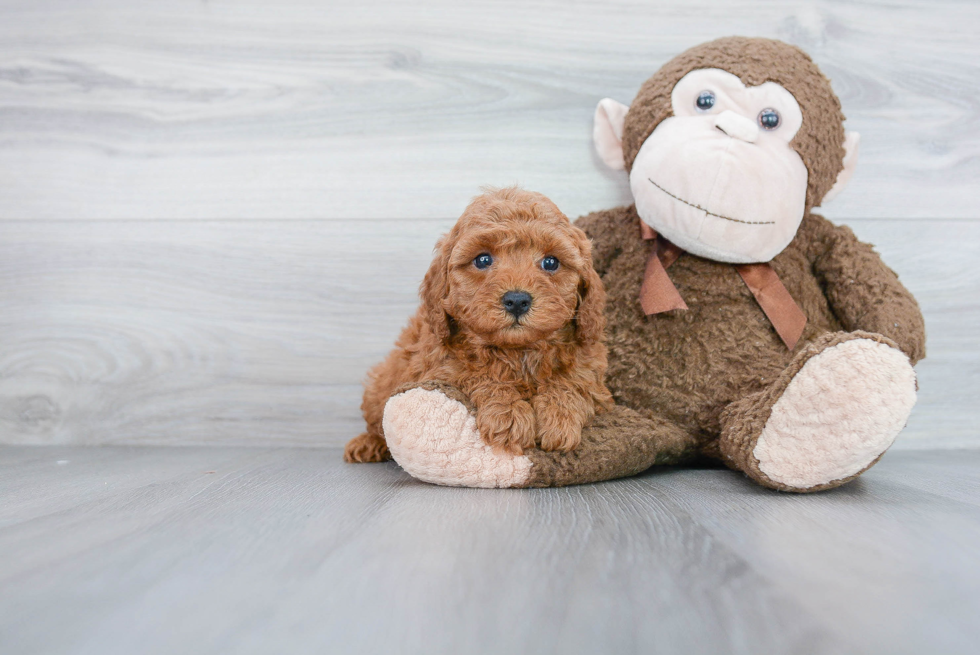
<point x="238" y="550"/>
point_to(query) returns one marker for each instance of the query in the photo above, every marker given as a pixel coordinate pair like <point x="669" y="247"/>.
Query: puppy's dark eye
<point x="549" y="264"/>
<point x="769" y="119"/>
<point x="483" y="260"/>
<point x="705" y="101"/>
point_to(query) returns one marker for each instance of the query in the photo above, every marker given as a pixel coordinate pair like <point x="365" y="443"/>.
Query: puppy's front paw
<point x="366" y="448"/>
<point x="507" y="428"/>
<point x="557" y="430"/>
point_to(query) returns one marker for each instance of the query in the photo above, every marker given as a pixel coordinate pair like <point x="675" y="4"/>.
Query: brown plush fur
<point x="688" y="365"/>
<point x="702" y="381"/>
<point x="680" y="377"/>
<point x="675" y="374"/>
<point x="535" y="380"/>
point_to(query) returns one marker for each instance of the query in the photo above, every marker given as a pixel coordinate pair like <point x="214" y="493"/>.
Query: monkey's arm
<point x="609" y="230"/>
<point x="433" y="436"/>
<point x="863" y="292"/>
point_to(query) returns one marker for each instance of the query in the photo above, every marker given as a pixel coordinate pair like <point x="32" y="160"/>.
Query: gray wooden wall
<point x="214" y="215"/>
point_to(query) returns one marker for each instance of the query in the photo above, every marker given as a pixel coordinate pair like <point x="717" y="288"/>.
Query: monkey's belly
<point x="687" y="365"/>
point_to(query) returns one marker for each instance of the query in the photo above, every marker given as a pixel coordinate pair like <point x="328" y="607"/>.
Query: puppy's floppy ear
<point x="590" y="321"/>
<point x="435" y="288"/>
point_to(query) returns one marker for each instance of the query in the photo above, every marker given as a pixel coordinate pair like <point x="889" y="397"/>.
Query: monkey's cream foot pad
<point x="839" y="413"/>
<point x="435" y="439"/>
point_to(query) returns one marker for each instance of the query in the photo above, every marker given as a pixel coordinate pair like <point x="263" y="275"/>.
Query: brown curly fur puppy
<point x="512" y="315"/>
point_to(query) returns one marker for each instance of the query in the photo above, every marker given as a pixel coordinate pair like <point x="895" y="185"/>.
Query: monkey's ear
<point x="607" y="132"/>
<point x="851" y="141"/>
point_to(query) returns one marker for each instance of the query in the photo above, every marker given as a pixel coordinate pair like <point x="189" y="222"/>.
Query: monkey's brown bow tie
<point x="658" y="293"/>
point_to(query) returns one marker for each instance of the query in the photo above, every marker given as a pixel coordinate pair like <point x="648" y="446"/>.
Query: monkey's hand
<point x="864" y="293"/>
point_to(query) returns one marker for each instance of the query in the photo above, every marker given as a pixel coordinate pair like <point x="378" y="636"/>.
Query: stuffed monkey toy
<point x="740" y="325"/>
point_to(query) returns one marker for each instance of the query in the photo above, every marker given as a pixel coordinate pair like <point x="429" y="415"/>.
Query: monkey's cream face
<point x="719" y="178"/>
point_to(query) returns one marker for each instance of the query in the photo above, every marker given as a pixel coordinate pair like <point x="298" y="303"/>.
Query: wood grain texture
<point x="299" y="109"/>
<point x="230" y="550"/>
<point x="260" y="332"/>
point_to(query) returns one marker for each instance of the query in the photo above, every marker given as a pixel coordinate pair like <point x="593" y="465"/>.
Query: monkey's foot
<point x="828" y="418"/>
<point x="432" y="434"/>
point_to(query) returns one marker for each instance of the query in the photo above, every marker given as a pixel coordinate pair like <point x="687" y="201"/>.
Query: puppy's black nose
<point x="516" y="302"/>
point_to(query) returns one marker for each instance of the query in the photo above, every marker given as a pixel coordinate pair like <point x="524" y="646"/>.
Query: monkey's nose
<point x="737" y="126"/>
<point x="516" y="302"/>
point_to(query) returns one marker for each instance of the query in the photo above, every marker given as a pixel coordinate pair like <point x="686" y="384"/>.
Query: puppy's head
<point x="513" y="270"/>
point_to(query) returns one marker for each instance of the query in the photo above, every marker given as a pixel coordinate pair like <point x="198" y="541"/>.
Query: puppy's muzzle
<point x="516" y="303"/>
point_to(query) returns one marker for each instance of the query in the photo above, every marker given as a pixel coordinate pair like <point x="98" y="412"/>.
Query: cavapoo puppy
<point x="511" y="315"/>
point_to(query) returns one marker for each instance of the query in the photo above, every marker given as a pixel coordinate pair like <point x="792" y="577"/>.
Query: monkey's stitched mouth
<point x="709" y="213"/>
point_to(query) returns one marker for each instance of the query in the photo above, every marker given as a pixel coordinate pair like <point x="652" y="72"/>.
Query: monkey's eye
<point x="769" y="119"/>
<point x="483" y="260"/>
<point x="705" y="101"/>
<point x="550" y="264"/>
